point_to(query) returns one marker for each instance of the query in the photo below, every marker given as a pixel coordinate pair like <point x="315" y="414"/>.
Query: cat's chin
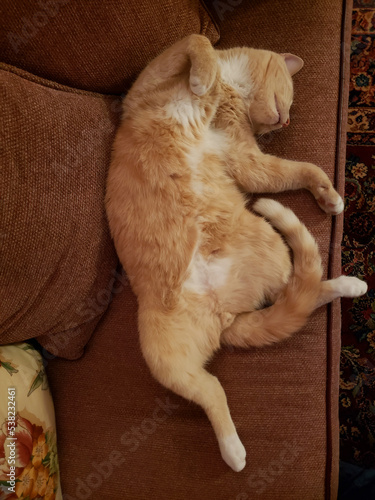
<point x="265" y="129"/>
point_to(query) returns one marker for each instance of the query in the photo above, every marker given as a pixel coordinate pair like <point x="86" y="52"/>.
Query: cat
<point x="200" y="263"/>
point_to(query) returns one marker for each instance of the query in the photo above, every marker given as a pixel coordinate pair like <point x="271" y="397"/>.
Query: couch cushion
<point x="311" y="30"/>
<point x="284" y="399"/>
<point x="57" y="261"/>
<point x="100" y="46"/>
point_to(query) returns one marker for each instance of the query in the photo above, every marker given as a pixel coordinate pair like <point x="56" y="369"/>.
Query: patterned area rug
<point x="357" y="385"/>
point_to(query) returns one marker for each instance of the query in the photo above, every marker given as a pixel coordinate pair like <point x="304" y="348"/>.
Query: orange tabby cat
<point x="200" y="263"/>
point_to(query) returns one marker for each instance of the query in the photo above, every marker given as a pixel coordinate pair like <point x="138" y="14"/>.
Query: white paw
<point x="197" y="87"/>
<point x="233" y="452"/>
<point x="330" y="201"/>
<point x="226" y="319"/>
<point x="349" y="286"/>
<point x="338" y="207"/>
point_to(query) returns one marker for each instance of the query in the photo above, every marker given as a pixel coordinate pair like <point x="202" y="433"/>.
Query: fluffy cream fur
<point x="200" y="263"/>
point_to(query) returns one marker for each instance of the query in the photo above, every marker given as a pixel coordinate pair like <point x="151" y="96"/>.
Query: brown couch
<point x="121" y="435"/>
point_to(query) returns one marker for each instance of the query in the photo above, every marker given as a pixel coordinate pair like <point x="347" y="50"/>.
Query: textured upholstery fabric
<point x="312" y="31"/>
<point x="120" y="434"/>
<point x="150" y="443"/>
<point x="98" y="46"/>
<point x="57" y="259"/>
<point x="57" y="262"/>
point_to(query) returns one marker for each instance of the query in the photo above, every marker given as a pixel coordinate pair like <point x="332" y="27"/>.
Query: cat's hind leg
<point x="176" y="349"/>
<point x="297" y="300"/>
<point x="196" y="384"/>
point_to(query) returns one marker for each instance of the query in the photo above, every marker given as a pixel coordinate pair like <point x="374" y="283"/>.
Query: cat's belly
<point x="207" y="274"/>
<point x="241" y="270"/>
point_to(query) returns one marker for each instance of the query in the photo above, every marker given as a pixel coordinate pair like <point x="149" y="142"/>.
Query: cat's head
<point x="264" y="80"/>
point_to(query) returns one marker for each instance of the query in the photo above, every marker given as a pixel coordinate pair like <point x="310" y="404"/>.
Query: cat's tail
<point x="299" y="298"/>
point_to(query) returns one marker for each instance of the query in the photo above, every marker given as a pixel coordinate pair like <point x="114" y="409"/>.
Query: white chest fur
<point x="213" y="143"/>
<point x="183" y="109"/>
<point x="207" y="274"/>
<point x="234" y="71"/>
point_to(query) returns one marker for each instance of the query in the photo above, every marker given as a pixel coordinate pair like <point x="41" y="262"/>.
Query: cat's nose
<point x="286" y="123"/>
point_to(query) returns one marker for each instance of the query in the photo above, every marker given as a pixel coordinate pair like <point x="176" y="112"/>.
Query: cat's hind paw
<point x="350" y="286"/>
<point x="233" y="452"/>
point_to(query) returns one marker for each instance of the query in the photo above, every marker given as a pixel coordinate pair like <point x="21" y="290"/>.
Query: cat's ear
<point x="293" y="63"/>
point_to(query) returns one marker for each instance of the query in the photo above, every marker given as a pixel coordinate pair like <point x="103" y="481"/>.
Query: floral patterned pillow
<point x="28" y="454"/>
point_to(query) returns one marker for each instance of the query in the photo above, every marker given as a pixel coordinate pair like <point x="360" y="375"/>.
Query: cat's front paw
<point x="200" y="84"/>
<point x="329" y="200"/>
<point x="203" y="70"/>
